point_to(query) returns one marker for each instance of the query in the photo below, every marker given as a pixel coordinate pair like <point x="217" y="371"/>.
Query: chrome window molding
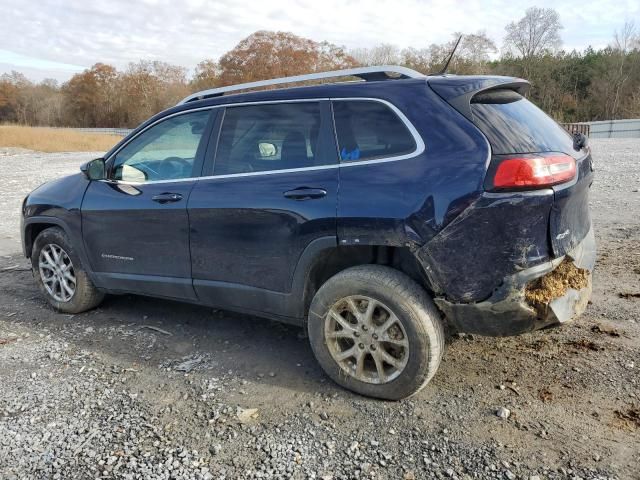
<point x="420" y="145"/>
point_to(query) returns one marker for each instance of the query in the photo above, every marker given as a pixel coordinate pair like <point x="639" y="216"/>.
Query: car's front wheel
<point x="376" y="331"/>
<point x="59" y="273"/>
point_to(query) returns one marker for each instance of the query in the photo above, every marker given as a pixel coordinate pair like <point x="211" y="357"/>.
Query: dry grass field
<point x="52" y="140"/>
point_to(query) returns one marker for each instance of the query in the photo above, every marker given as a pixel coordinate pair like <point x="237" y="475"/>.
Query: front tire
<point x="59" y="274"/>
<point x="376" y="331"/>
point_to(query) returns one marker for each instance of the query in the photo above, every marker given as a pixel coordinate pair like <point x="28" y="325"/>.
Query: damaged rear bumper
<point x="507" y="311"/>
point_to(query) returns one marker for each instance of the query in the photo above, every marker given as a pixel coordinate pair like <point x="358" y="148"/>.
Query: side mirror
<point x="94" y="169"/>
<point x="579" y="141"/>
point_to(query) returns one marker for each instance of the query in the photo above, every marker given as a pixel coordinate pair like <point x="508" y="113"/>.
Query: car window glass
<point x="513" y="124"/>
<point x="165" y="151"/>
<point x="256" y="138"/>
<point x="368" y="130"/>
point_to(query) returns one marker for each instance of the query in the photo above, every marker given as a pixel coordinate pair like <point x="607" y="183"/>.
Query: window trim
<point x="420" y="145"/>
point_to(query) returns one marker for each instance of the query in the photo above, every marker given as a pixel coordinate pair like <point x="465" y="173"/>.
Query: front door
<point x="135" y="224"/>
<point x="270" y="194"/>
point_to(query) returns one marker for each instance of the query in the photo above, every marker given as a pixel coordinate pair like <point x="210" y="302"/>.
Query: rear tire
<point x="376" y="331"/>
<point x="60" y="275"/>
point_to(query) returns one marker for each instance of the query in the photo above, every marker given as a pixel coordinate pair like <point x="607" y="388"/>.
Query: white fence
<point x="615" y="129"/>
<point x="607" y="128"/>
<point x="122" y="132"/>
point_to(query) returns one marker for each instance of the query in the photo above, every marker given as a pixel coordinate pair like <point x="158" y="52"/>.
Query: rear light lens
<point x="531" y="172"/>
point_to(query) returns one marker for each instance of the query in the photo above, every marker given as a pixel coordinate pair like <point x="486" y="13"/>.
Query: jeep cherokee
<point x="376" y="213"/>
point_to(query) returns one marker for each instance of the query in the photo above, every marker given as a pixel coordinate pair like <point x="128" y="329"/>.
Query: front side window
<point x="369" y="130"/>
<point x="258" y="138"/>
<point x="166" y="151"/>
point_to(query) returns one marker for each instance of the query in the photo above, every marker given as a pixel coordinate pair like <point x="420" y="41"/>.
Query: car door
<point x="135" y="224"/>
<point x="270" y="194"/>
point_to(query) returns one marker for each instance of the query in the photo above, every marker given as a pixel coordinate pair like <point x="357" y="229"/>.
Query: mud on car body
<point x="374" y="213"/>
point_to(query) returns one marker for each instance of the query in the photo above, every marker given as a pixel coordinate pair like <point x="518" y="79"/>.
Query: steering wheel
<point x="173" y="167"/>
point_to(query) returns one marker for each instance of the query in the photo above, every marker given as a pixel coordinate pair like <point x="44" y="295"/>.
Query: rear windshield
<point x="515" y="125"/>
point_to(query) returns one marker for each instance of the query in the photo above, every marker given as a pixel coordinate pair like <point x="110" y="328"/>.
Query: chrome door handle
<point x="305" y="193"/>
<point x="167" y="197"/>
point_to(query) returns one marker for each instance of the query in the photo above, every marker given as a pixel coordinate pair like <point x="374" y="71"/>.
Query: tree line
<point x="571" y="86"/>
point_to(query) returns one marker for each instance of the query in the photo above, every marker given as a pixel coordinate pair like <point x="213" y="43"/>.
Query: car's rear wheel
<point x="59" y="273"/>
<point x="375" y="331"/>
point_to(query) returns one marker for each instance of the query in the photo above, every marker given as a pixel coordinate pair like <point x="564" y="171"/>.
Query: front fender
<point x="56" y="203"/>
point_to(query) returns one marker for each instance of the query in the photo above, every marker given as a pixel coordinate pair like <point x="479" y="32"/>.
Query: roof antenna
<point x="446" y="65"/>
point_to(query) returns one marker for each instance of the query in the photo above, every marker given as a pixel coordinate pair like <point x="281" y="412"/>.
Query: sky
<point x="55" y="38"/>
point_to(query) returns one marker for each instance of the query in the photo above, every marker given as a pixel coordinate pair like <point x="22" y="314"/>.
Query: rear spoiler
<point x="458" y="91"/>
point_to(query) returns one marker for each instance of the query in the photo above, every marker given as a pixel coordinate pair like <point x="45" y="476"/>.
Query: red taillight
<point x="534" y="172"/>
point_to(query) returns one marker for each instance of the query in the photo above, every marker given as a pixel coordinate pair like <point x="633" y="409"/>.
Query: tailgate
<point x="570" y="220"/>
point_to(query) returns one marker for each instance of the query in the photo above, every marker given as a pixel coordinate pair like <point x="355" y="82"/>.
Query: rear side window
<point x="513" y="124"/>
<point x="367" y="130"/>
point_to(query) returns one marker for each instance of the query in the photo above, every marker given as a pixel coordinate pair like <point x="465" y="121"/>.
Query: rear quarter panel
<point x="496" y="236"/>
<point x="467" y="240"/>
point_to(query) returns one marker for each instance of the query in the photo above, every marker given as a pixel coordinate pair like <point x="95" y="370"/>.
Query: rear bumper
<point x="506" y="311"/>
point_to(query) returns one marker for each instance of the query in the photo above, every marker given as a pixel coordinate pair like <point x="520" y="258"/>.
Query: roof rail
<point x="365" y="73"/>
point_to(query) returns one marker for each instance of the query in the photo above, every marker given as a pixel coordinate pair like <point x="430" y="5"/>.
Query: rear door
<point x="135" y="224"/>
<point x="269" y="194"/>
<point x="372" y="135"/>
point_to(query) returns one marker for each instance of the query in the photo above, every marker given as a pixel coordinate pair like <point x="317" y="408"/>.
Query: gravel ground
<point x="22" y="171"/>
<point x="144" y="388"/>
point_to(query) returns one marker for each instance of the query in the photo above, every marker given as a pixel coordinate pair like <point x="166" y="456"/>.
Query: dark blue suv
<point x="376" y="212"/>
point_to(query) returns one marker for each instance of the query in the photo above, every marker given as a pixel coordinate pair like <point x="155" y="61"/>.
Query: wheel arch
<point x="33" y="226"/>
<point x="324" y="258"/>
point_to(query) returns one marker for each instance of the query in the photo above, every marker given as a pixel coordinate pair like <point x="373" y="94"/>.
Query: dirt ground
<point x="145" y="388"/>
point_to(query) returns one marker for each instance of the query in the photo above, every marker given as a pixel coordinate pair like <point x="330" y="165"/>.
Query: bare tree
<point x="475" y="47"/>
<point x="471" y="56"/>
<point x="623" y="40"/>
<point x="473" y="52"/>
<point x="383" y="54"/>
<point x="536" y="33"/>
<point x="418" y="59"/>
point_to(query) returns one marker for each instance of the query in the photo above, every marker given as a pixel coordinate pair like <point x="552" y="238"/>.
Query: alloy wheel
<point x="366" y="339"/>
<point x="57" y="273"/>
